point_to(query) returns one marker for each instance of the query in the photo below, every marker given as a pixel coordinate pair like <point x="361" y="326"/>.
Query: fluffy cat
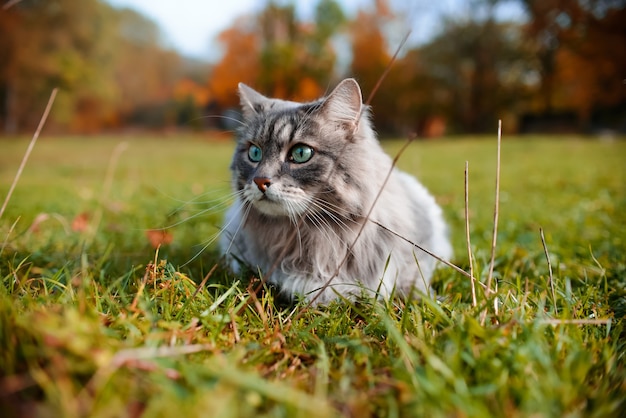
<point x="305" y="176"/>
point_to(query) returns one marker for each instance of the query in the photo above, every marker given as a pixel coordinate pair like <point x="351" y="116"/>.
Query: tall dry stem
<point x="496" y="212"/>
<point x="550" y="278"/>
<point x="31" y="145"/>
<point x="470" y="257"/>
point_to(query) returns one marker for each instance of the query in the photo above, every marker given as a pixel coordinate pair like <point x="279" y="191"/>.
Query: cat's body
<point x="307" y="176"/>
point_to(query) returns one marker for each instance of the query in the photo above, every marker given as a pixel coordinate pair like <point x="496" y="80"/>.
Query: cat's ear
<point x="252" y="102"/>
<point x="345" y="103"/>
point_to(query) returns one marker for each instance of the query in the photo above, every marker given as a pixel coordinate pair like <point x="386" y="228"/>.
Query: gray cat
<point x="306" y="176"/>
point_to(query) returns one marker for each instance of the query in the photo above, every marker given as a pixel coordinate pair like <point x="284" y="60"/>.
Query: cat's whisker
<point x="335" y="218"/>
<point x="196" y="200"/>
<point x="320" y="226"/>
<point x="219" y="117"/>
<point x="215" y="236"/>
<point x="207" y="244"/>
<point x="342" y="212"/>
<point x="227" y="201"/>
<point x="324" y="227"/>
<point x="246" y="210"/>
<point x="221" y="199"/>
<point x="292" y="210"/>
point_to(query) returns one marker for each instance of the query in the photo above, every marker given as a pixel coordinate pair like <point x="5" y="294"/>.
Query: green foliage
<point x="95" y="322"/>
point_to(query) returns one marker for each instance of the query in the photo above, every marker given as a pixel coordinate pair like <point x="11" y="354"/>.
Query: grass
<point x="94" y="321"/>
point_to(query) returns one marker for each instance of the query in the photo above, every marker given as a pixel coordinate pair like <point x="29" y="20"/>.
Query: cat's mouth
<point x="267" y="206"/>
<point x="275" y="203"/>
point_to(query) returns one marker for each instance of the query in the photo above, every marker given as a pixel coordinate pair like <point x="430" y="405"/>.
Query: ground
<point x="96" y="321"/>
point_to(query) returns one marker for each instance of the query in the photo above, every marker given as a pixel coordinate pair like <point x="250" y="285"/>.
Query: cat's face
<point x="290" y="157"/>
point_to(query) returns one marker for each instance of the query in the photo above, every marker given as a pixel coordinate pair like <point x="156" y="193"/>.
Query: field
<point x="96" y="321"/>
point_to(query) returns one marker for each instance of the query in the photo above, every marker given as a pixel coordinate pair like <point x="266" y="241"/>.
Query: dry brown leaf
<point x="81" y="222"/>
<point x="159" y="237"/>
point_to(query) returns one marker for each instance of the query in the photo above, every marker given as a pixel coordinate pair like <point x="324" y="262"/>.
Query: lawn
<point x="95" y="320"/>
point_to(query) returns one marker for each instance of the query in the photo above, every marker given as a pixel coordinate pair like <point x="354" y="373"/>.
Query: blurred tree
<point x="278" y="54"/>
<point x="297" y="59"/>
<point x="477" y="70"/>
<point x="146" y="74"/>
<point x="109" y="64"/>
<point x="56" y="43"/>
<point x="580" y="49"/>
<point x="370" y="57"/>
<point x="240" y="62"/>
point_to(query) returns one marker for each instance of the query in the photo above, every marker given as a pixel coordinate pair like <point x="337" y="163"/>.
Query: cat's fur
<point x="333" y="193"/>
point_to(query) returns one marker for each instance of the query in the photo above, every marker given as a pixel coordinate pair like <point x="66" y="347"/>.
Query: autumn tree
<point x="109" y="64"/>
<point x="240" y="62"/>
<point x="146" y="74"/>
<point x="478" y="69"/>
<point x="297" y="58"/>
<point x="370" y="57"/>
<point x="278" y="54"/>
<point x="580" y="50"/>
<point x="57" y="43"/>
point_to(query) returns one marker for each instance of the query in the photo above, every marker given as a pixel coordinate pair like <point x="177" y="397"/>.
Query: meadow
<point x="113" y="302"/>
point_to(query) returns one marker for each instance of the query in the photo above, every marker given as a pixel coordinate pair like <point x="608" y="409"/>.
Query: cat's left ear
<point x="252" y="102"/>
<point x="344" y="104"/>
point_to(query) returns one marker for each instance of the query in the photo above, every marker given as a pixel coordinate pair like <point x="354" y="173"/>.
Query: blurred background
<point x="542" y="66"/>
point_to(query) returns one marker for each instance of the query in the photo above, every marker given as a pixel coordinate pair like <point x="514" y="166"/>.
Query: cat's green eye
<point x="254" y="153"/>
<point x="301" y="154"/>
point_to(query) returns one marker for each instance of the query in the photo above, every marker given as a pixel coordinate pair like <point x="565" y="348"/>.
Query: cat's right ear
<point x="252" y="102"/>
<point x="344" y="105"/>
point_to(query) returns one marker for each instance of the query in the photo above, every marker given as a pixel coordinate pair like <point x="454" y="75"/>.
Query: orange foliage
<point x="186" y="87"/>
<point x="308" y="90"/>
<point x="240" y="63"/>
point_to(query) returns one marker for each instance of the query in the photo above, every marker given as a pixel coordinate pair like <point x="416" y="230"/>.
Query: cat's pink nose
<point x="262" y="183"/>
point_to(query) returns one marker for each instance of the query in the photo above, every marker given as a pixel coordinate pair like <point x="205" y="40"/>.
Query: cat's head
<point x="296" y="158"/>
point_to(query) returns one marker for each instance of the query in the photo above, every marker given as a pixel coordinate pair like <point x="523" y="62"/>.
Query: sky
<point x="191" y="26"/>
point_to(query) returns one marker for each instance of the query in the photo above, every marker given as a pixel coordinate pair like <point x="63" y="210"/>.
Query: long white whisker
<point x="215" y="236"/>
<point x="247" y="208"/>
<point x="222" y="204"/>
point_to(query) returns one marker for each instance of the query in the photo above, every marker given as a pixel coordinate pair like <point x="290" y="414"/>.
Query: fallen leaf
<point x="81" y="222"/>
<point x="159" y="237"/>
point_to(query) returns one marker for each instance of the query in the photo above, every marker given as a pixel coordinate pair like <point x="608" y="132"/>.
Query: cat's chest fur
<point x="313" y="187"/>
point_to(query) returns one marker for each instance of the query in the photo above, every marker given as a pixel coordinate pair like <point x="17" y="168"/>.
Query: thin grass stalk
<point x="31" y="145"/>
<point x="367" y="218"/>
<point x="550" y="277"/>
<point x="293" y="235"/>
<point x="106" y="188"/>
<point x="470" y="257"/>
<point x="496" y="211"/>
<point x="435" y="256"/>
<point x="10" y="4"/>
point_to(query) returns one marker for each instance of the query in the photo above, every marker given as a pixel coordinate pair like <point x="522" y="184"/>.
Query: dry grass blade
<point x="387" y="68"/>
<point x="600" y="321"/>
<point x="447" y="263"/>
<point x="106" y="188"/>
<point x="31" y="145"/>
<point x="550" y="278"/>
<point x="470" y="257"/>
<point x="365" y="220"/>
<point x="6" y="239"/>
<point x="301" y="220"/>
<point x="393" y="164"/>
<point x="496" y="211"/>
<point x="10" y="4"/>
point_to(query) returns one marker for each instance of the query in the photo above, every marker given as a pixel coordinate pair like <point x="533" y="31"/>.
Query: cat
<point x="306" y="176"/>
